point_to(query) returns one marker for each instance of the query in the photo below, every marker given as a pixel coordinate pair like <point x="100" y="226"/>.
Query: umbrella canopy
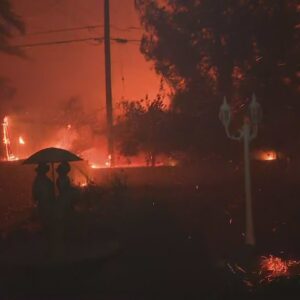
<point x="51" y="155"/>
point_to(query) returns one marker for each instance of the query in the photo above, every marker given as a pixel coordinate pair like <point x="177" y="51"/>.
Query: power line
<point x="88" y="27"/>
<point x="127" y="28"/>
<point x="70" y="41"/>
<point x="60" y="42"/>
<point x="79" y="28"/>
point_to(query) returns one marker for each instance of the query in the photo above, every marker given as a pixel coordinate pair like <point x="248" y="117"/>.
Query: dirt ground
<point x="174" y="241"/>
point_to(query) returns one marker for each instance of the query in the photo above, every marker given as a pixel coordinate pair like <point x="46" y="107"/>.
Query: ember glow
<point x="108" y="162"/>
<point x="94" y="166"/>
<point x="83" y="184"/>
<point x="267" y="155"/>
<point x="273" y="267"/>
<point x="270" y="155"/>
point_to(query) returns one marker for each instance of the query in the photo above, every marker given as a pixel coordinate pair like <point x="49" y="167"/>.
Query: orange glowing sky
<point x="55" y="73"/>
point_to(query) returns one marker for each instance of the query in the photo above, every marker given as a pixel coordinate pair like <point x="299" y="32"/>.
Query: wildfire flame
<point x="273" y="267"/>
<point x="5" y="120"/>
<point x="6" y="141"/>
<point x="5" y="134"/>
<point x="83" y="184"/>
<point x="21" y="141"/>
<point x="270" y="268"/>
<point x="108" y="162"/>
<point x="94" y="166"/>
<point x="269" y="156"/>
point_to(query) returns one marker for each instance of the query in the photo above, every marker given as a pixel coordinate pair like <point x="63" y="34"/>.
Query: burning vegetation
<point x="267" y="155"/>
<point x="268" y="269"/>
<point x="71" y="129"/>
<point x="9" y="156"/>
<point x="272" y="267"/>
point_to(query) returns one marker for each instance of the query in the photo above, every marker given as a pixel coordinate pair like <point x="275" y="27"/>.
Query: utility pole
<point x="109" y="107"/>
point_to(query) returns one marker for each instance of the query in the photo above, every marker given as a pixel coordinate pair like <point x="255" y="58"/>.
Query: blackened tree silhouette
<point x="10" y="22"/>
<point x="210" y="48"/>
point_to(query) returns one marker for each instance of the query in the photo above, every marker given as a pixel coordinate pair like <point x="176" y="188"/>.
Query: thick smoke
<point x="7" y="92"/>
<point x="82" y="128"/>
<point x="65" y="125"/>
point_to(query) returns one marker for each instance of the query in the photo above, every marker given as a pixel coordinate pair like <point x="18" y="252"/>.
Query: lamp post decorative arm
<point x="225" y="118"/>
<point x="237" y="137"/>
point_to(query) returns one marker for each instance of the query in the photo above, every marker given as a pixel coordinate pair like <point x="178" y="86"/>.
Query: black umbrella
<point x="51" y="155"/>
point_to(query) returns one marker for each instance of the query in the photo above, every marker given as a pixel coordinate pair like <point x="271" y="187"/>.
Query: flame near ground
<point x="268" y="269"/>
<point x="272" y="267"/>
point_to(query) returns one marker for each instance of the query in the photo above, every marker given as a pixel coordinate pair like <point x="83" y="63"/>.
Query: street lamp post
<point x="247" y="133"/>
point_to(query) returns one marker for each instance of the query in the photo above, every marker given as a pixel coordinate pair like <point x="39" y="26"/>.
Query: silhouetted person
<point x="43" y="195"/>
<point x="63" y="182"/>
<point x="65" y="189"/>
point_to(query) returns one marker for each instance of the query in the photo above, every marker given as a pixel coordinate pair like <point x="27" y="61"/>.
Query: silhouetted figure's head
<point x="63" y="169"/>
<point x="63" y="181"/>
<point x="42" y="169"/>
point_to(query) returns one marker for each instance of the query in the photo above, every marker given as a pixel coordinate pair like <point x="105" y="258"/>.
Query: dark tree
<point x="142" y="128"/>
<point x="10" y="23"/>
<point x="6" y="90"/>
<point x="210" y="48"/>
